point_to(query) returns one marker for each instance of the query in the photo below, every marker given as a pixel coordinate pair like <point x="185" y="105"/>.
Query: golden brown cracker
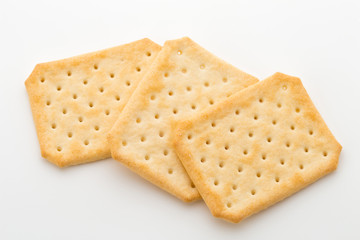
<point x="76" y="101"/>
<point x="256" y="148"/>
<point x="184" y="79"/>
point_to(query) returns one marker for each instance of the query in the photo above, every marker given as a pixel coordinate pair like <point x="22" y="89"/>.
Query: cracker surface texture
<point x="256" y="148"/>
<point x="76" y="101"/>
<point x="184" y="79"/>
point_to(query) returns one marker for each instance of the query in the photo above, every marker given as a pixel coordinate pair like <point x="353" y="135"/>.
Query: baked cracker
<point x="76" y="101"/>
<point x="184" y="79"/>
<point x="256" y="148"/>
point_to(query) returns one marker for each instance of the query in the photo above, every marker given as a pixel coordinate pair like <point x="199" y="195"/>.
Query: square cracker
<point x="183" y="80"/>
<point x="256" y="148"/>
<point x="76" y="101"/>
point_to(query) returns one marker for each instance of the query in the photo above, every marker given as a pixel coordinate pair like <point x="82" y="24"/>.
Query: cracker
<point x="183" y="80"/>
<point x="76" y="101"/>
<point x="256" y="148"/>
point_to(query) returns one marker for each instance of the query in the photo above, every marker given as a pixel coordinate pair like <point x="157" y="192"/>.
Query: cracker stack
<point x="194" y="125"/>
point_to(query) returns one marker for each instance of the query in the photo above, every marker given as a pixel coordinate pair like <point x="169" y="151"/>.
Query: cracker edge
<point x="151" y="83"/>
<point x="297" y="182"/>
<point x="36" y="108"/>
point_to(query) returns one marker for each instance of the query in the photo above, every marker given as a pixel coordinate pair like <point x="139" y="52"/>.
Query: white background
<point x="318" y="41"/>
